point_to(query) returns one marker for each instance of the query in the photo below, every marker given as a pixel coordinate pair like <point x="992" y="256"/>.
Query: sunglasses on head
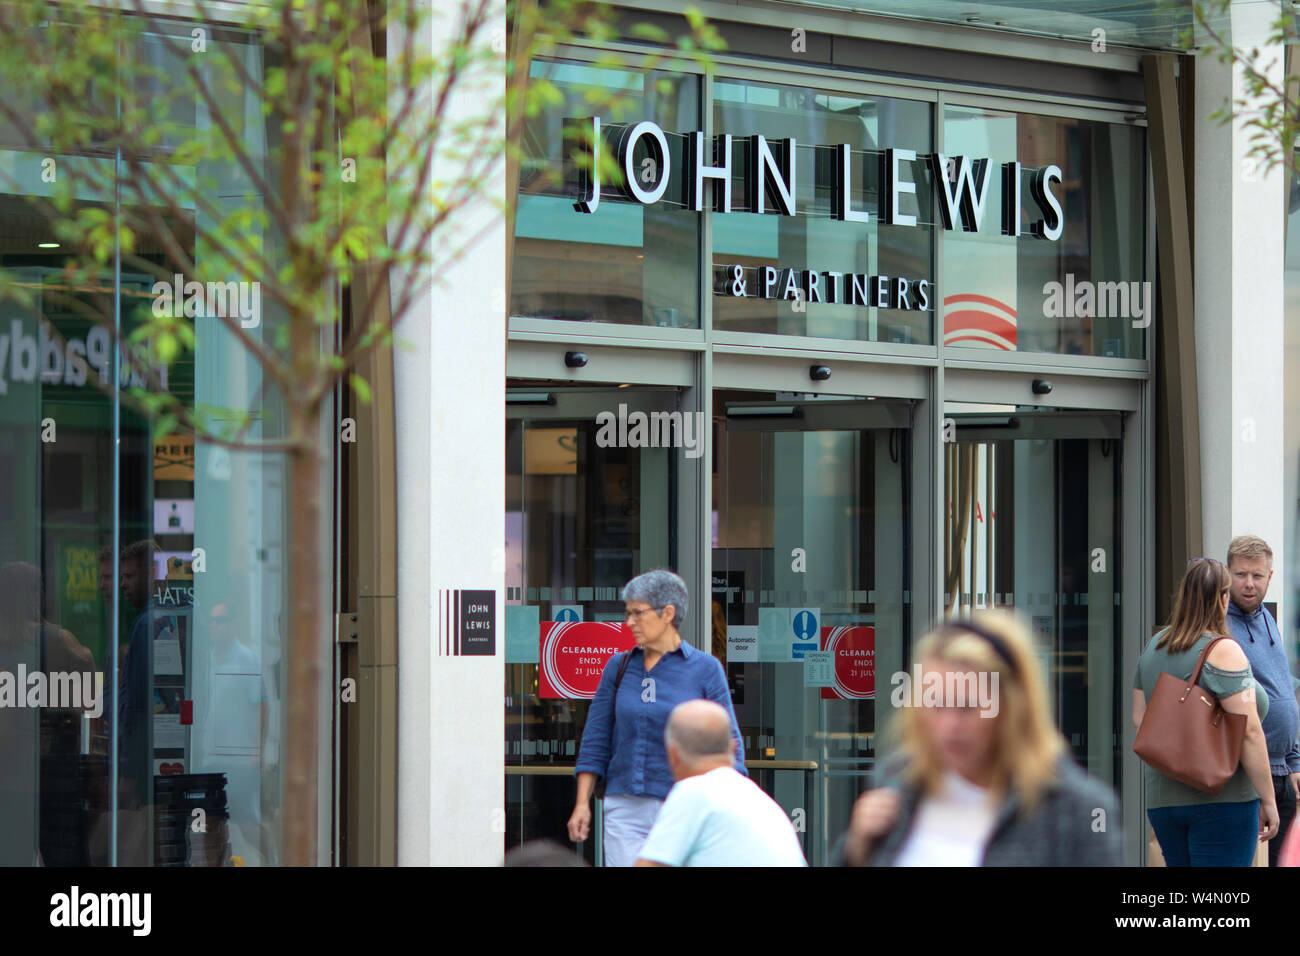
<point x="999" y="645"/>
<point x="1214" y="561"/>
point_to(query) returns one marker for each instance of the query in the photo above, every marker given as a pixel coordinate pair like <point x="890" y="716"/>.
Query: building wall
<point x="1240" y="217"/>
<point x="1050" y="572"/>
<point x="450" y="488"/>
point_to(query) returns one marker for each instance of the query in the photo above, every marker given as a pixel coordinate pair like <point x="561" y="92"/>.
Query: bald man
<point x="714" y="816"/>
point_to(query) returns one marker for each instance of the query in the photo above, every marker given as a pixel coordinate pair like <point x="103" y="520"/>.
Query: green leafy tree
<point x="329" y="150"/>
<point x="1268" y="106"/>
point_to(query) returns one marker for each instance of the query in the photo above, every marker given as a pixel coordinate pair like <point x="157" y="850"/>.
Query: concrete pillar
<point x="1239" y="219"/>
<point x="451" y="497"/>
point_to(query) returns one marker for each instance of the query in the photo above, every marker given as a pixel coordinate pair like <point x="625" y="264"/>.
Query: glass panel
<point x="814" y="240"/>
<point x="1153" y="24"/>
<point x="205" y="649"/>
<point x="626" y="263"/>
<point x="185" y="641"/>
<point x="1033" y="524"/>
<point x="811" y="555"/>
<point x="1084" y="294"/>
<point x="53" y="793"/>
<point x="582" y="518"/>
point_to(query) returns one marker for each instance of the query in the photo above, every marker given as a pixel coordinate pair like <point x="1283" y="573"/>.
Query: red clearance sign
<point x="855" y="662"/>
<point x="574" y="654"/>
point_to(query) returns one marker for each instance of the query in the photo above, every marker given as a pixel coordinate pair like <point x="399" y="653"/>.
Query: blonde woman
<point x="1196" y="828"/>
<point x="985" y="782"/>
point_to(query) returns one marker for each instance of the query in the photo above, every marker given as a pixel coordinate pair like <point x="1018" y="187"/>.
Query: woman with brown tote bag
<point x="1195" y="827"/>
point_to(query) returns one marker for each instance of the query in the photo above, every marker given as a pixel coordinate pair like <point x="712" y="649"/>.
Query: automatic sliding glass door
<point x="590" y="503"/>
<point x="811" y="591"/>
<point x="1033" y="523"/>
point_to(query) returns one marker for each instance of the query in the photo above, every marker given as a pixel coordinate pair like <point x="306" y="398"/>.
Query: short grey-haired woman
<point x="623" y="740"/>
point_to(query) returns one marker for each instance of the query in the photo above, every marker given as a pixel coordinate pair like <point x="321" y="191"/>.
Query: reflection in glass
<point x="1084" y="294"/>
<point x="625" y="263"/>
<point x="153" y="562"/>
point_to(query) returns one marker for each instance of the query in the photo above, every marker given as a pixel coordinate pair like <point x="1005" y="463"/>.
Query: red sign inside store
<point x="574" y="654"/>
<point x="855" y="662"/>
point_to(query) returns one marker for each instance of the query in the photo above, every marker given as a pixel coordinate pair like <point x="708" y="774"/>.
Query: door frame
<point x="1130" y="395"/>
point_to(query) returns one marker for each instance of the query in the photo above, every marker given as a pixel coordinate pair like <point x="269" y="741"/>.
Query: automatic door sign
<point x="854" y="650"/>
<point x="574" y="654"/>
<point x="742" y="643"/>
<point x="566" y="612"/>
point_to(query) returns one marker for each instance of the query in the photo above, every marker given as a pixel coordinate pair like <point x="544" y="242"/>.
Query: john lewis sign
<point x="767" y="178"/>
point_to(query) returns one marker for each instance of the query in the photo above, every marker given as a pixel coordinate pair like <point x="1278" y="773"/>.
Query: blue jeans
<point x="1207" y="834"/>
<point x="1286" y="813"/>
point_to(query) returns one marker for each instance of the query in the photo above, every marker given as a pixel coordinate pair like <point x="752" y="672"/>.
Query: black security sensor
<point x="819" y="373"/>
<point x="575" y="359"/>
<point x="1042" y="386"/>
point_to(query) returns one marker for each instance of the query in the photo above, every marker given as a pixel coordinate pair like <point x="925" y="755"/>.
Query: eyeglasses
<point x="629" y="615"/>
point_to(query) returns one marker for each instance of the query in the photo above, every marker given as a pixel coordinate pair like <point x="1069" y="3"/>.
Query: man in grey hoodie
<point x="1250" y="564"/>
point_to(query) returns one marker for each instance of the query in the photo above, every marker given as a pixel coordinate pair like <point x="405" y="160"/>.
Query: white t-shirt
<point x="952" y="827"/>
<point x="722" y="818"/>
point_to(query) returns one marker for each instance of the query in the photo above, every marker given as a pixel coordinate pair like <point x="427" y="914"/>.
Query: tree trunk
<point x="305" y="620"/>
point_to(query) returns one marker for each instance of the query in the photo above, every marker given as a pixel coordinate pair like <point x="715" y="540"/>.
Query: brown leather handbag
<point x="1187" y="735"/>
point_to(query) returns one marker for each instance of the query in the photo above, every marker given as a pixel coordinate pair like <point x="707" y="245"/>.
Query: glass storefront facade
<point x="862" y="446"/>
<point x="151" y="564"/>
<point x="918" y="474"/>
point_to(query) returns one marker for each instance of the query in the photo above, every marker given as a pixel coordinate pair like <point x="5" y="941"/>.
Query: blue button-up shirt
<point x="629" y="751"/>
